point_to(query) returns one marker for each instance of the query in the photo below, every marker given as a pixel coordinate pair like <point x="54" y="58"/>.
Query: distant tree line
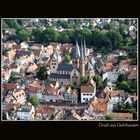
<point x="114" y="38"/>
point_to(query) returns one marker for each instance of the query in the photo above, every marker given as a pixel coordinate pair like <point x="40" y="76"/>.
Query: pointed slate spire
<point x="85" y="48"/>
<point x="82" y="52"/>
<point x="77" y="51"/>
<point x="89" y="66"/>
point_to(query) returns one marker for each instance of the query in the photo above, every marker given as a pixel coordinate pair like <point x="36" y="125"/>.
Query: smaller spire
<point x="77" y="50"/>
<point x="85" y="54"/>
<point x="89" y="66"/>
<point x="82" y="53"/>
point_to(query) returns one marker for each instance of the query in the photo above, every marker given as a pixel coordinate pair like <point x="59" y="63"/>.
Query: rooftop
<point x="9" y="86"/>
<point x="59" y="76"/>
<point x="65" y="67"/>
<point x="99" y="104"/>
<point x="122" y="115"/>
<point x="89" y="89"/>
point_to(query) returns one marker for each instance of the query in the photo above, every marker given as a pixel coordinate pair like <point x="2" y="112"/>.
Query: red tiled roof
<point x="99" y="104"/>
<point x="45" y="110"/>
<point x="89" y="89"/>
<point x="122" y="115"/>
<point x="13" y="65"/>
<point x="114" y="92"/>
<point x="37" y="52"/>
<point x="10" y="86"/>
<point x="50" y="90"/>
<point x="17" y="47"/>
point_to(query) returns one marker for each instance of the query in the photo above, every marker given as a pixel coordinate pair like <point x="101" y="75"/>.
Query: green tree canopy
<point x="34" y="101"/>
<point x="123" y="85"/>
<point x="83" y="80"/>
<point x="109" y="117"/>
<point x="99" y="80"/>
<point x="67" y="59"/>
<point x="42" y="73"/>
<point x="23" y="34"/>
<point x="122" y="77"/>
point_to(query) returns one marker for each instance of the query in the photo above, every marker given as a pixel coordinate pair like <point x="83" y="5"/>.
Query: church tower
<point x="54" y="62"/>
<point x="85" y="51"/>
<point x="76" y="56"/>
<point x="90" y="73"/>
<point x="82" y="62"/>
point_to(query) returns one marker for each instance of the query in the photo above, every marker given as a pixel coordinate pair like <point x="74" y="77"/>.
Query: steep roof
<point x="10" y="86"/>
<point x="76" y="53"/>
<point x="87" y="89"/>
<point x="99" y="104"/>
<point x="65" y="67"/>
<point x="59" y="76"/>
<point x="22" y="53"/>
<point x="123" y="115"/>
<point x="37" y="52"/>
<point x="45" y="110"/>
<point x="89" y="66"/>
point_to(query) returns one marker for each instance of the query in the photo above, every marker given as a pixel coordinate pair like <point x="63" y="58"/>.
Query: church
<point x="70" y="74"/>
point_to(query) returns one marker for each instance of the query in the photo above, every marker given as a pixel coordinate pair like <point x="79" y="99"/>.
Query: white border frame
<point x="83" y="120"/>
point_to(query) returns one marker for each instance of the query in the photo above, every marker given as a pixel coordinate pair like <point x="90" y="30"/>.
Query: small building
<point x="122" y="116"/>
<point x="87" y="92"/>
<point x="44" y="112"/>
<point x="71" y="96"/>
<point x="99" y="106"/>
<point x="26" y="112"/>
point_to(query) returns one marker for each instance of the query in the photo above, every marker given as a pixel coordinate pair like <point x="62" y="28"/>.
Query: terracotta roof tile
<point x="13" y="65"/>
<point x="89" y="89"/>
<point x="10" y="86"/>
<point x="122" y="115"/>
<point x="115" y="92"/>
<point x="17" y="47"/>
<point x="99" y="104"/>
<point x="37" y="52"/>
<point x="51" y="90"/>
<point x="45" y="110"/>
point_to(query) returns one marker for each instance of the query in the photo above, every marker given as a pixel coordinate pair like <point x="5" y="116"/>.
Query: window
<point x="83" y="98"/>
<point x="90" y="94"/>
<point x="83" y="94"/>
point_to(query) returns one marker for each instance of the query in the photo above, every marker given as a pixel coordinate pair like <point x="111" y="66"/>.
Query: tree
<point x="50" y="35"/>
<point x="123" y="58"/>
<point x="109" y="117"/>
<point x="42" y="73"/>
<point x="125" y="108"/>
<point x="133" y="86"/>
<point x="37" y="35"/>
<point x="128" y="41"/>
<point x="30" y="49"/>
<point x="63" y="37"/>
<point x="99" y="80"/>
<point x="12" y="79"/>
<point x="83" y="80"/>
<point x="4" y="25"/>
<point x="12" y="23"/>
<point x="122" y="77"/>
<point x="123" y="85"/>
<point x="34" y="101"/>
<point x="116" y="38"/>
<point x="23" y="34"/>
<point x="67" y="59"/>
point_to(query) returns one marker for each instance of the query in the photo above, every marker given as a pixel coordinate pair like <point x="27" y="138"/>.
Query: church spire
<point x="85" y="54"/>
<point x="77" y="51"/>
<point x="89" y="66"/>
<point x="82" y="52"/>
